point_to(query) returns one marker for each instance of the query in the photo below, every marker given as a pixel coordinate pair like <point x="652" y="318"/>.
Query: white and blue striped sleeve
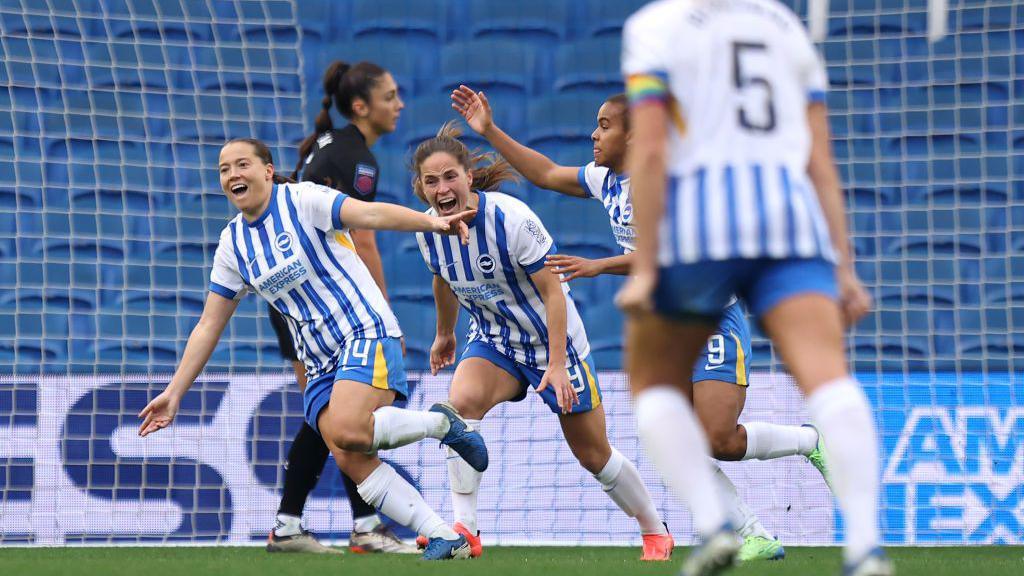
<point x="225" y="278"/>
<point x="531" y="242"/>
<point x="591" y="178"/>
<point x="427" y="251"/>
<point x="319" y="205"/>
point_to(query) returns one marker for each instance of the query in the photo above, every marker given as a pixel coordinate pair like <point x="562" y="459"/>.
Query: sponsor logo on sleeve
<point x="535" y="230"/>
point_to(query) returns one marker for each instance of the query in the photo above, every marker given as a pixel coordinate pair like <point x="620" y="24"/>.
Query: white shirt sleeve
<point x="530" y="241"/>
<point x="814" y="76"/>
<point x="810" y="66"/>
<point x="318" y="205"/>
<point x="225" y="278"/>
<point x="592" y="179"/>
<point x="644" y="49"/>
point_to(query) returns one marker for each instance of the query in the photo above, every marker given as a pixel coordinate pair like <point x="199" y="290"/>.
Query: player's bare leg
<point x="660" y="356"/>
<point x="719" y="405"/>
<point x="587" y="436"/>
<point x="360" y="419"/>
<point x="807" y="331"/>
<point x="477" y="387"/>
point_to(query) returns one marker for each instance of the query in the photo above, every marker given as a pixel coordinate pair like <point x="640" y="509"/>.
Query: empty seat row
<point x="538" y="20"/>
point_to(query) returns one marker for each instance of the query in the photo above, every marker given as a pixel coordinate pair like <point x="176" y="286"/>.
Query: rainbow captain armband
<point x="647" y="87"/>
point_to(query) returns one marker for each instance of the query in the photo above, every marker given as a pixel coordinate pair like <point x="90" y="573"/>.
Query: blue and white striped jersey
<point x="491" y="279"/>
<point x="737" y="76"/>
<point x="612" y="190"/>
<point x="299" y="257"/>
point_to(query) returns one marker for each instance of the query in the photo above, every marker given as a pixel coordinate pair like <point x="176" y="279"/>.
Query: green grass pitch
<point x="541" y="561"/>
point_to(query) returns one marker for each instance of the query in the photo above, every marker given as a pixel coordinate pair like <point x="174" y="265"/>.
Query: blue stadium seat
<point x="39" y="25"/>
<point x="393" y="184"/>
<point x="37" y="352"/>
<point x="408" y="276"/>
<point x="18" y="197"/>
<point x="533" y="21"/>
<point x="575" y="222"/>
<point x="417" y="321"/>
<point x="889" y="351"/>
<point x="591" y="65"/>
<point x="324" y="20"/>
<point x="399" y="20"/>
<point x="7" y="172"/>
<point x="51" y="299"/>
<point x="422" y="118"/>
<point x="225" y="69"/>
<point x="604" y="19"/>
<point x="21" y="49"/>
<point x="84" y="249"/>
<point x="562" y="120"/>
<point x="280" y="32"/>
<point x="413" y="72"/>
<point x="494" y="66"/>
<point x="991" y="347"/>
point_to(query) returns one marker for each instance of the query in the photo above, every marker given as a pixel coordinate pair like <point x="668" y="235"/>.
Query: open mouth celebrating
<point x="239" y="189"/>
<point x="447" y="205"/>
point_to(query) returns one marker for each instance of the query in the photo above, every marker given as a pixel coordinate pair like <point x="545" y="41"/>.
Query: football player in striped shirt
<point x="735" y="191"/>
<point x="367" y="96"/>
<point x="290" y="245"/>
<point x="721" y="376"/>
<point x="525" y="330"/>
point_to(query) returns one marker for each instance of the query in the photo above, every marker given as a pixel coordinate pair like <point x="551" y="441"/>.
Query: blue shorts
<point x="373" y="362"/>
<point x="582" y="375"/>
<point x="726" y="357"/>
<point x="701" y="290"/>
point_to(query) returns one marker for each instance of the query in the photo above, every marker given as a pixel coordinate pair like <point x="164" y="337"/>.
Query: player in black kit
<point x="367" y="96"/>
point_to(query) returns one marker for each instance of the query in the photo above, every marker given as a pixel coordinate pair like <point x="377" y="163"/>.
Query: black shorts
<point x="284" y="335"/>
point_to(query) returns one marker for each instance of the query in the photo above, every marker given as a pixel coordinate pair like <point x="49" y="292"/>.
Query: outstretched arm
<point x="536" y="167"/>
<point x="161" y="411"/>
<point x="384" y="216"/>
<point x="579" y="267"/>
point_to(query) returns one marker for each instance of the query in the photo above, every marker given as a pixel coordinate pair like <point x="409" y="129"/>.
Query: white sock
<point x="288" y="525"/>
<point x="676" y="444"/>
<point x="768" y="441"/>
<point x="385" y="490"/>
<point x="464" y="482"/>
<point x="366" y="523"/>
<point x="621" y="482"/>
<point x="842" y="413"/>
<point x="741" y="516"/>
<point x="394" y="427"/>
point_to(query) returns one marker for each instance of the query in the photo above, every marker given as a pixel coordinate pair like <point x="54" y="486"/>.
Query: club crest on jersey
<point x="485" y="263"/>
<point x="366" y="175"/>
<point x="627" y="213"/>
<point x="283" y="241"/>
